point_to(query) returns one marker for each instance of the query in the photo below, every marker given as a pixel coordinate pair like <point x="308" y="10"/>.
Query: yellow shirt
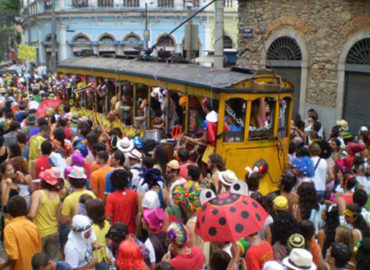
<point x="22" y="240"/>
<point x="35" y="147"/>
<point x="71" y="201"/>
<point x="46" y="216"/>
<point x="100" y="234"/>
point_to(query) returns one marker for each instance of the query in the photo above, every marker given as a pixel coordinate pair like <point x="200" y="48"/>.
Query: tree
<point x="9" y="9"/>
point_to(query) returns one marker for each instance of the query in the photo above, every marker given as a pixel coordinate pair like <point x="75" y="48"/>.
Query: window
<point x="284" y="48"/>
<point x="48" y="4"/>
<point x="165" y="3"/>
<point x="261" y="123"/>
<point x="131" y="3"/>
<point x="80" y="3"/>
<point x="105" y="3"/>
<point x="166" y="44"/>
<point x="228" y="42"/>
<point x="284" y="105"/>
<point x="234" y="120"/>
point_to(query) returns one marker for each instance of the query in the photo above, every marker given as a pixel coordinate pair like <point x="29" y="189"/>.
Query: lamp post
<point x="146" y="31"/>
<point x="188" y="33"/>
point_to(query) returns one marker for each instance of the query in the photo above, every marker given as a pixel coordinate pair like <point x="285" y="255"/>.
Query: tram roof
<point x="188" y="74"/>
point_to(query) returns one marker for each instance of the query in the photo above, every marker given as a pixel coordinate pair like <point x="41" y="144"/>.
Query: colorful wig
<point x="187" y="196"/>
<point x="304" y="165"/>
<point x="177" y="234"/>
<point x="77" y="159"/>
<point x="129" y="256"/>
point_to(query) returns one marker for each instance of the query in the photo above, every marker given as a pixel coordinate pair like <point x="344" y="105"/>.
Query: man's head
<point x="118" y="232"/>
<point x="17" y="206"/>
<point x="44" y="131"/>
<point x="193" y="172"/>
<point x="338" y="255"/>
<point x="287" y="182"/>
<point x="183" y="154"/>
<point x="314" y="149"/>
<point x="102" y="158"/>
<point x="119" y="179"/>
<point x="46" y="148"/>
<point x="360" y="197"/>
<point x="14" y="126"/>
<point x="117" y="159"/>
<point x="215" y="161"/>
<point x="172" y="169"/>
<point x="41" y="261"/>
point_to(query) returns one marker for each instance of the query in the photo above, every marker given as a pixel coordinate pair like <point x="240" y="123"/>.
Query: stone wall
<point x="324" y="26"/>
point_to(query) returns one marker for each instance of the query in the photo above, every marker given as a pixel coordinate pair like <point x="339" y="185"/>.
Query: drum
<point x="196" y="149"/>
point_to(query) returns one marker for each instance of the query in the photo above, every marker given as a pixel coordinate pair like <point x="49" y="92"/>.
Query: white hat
<point x="227" y="177"/>
<point x="150" y="200"/>
<point x="299" y="259"/>
<point x="135" y="154"/>
<point x="272" y="265"/>
<point x="125" y="145"/>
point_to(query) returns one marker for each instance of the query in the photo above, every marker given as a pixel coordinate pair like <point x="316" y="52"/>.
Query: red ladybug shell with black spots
<point x="229" y="216"/>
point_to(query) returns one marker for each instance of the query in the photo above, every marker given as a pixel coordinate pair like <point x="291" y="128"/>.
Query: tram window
<point x="157" y="106"/>
<point x="261" y="124"/>
<point x="195" y="117"/>
<point x="142" y="108"/>
<point x="127" y="96"/>
<point x="234" y="120"/>
<point x="284" y="105"/>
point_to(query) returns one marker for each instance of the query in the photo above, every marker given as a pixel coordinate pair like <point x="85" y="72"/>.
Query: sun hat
<point x="150" y="200"/>
<point x="173" y="164"/>
<point x="280" y="203"/>
<point x="31" y="119"/>
<point x="304" y="165"/>
<point x="135" y="154"/>
<point x="125" y="145"/>
<point x="154" y="218"/>
<point x="228" y="177"/>
<point x="295" y="240"/>
<point x="49" y="177"/>
<point x="343" y="123"/>
<point x="187" y="195"/>
<point x="77" y="173"/>
<point x="299" y="259"/>
<point x="176" y="234"/>
<point x="272" y="265"/>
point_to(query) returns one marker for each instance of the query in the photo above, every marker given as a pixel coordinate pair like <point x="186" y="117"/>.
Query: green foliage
<point x="11" y="6"/>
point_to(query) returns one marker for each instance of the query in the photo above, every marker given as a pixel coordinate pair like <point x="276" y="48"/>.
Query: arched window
<point x="80" y="42"/>
<point x="132" y="44"/>
<point x="166" y="43"/>
<point x="106" y="44"/>
<point x="106" y="38"/>
<point x="359" y="53"/>
<point x="284" y="48"/>
<point x="228" y="42"/>
<point x="81" y="38"/>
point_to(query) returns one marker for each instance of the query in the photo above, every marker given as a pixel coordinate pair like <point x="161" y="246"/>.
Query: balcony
<point x="105" y="3"/>
<point x="195" y="3"/>
<point x="80" y="3"/>
<point x="131" y="3"/>
<point x="166" y="3"/>
<point x="48" y="4"/>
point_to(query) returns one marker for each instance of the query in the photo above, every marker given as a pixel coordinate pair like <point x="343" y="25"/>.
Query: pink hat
<point x="154" y="218"/>
<point x="49" y="177"/>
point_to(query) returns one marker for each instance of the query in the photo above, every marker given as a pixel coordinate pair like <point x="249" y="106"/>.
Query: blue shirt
<point x="63" y="266"/>
<point x="108" y="185"/>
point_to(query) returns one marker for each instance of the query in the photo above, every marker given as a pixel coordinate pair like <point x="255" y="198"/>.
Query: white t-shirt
<point x="151" y="250"/>
<point x="77" y="257"/>
<point x="321" y="171"/>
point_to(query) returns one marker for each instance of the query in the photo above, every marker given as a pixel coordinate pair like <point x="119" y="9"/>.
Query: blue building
<point x="115" y="26"/>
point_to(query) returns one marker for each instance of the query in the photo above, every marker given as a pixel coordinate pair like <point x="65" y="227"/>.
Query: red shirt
<point x="184" y="170"/>
<point x="258" y="254"/>
<point x="42" y="164"/>
<point x="192" y="261"/>
<point x="122" y="206"/>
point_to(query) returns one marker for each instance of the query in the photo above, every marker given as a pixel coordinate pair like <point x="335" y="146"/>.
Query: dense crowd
<point x="74" y="196"/>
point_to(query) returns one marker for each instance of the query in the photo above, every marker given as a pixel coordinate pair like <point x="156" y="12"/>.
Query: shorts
<point x="51" y="246"/>
<point x="63" y="233"/>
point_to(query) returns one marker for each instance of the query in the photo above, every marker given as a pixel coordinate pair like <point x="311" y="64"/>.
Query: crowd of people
<point x="74" y="196"/>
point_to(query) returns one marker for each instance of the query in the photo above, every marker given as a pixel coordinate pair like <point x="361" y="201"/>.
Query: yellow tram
<point x="254" y="107"/>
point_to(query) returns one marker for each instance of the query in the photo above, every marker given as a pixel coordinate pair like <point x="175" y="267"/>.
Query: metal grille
<point x="165" y="3"/>
<point x="105" y="3"/>
<point x="47" y="4"/>
<point x="359" y="53"/>
<point x="80" y="3"/>
<point x="284" y="48"/>
<point x="131" y="3"/>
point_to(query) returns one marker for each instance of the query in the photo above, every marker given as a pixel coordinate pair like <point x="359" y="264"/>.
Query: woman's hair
<point x="331" y="223"/>
<point x="307" y="229"/>
<point x="219" y="260"/>
<point x="20" y="164"/>
<point x="268" y="203"/>
<point x="253" y="181"/>
<point x="360" y="221"/>
<point x="292" y="147"/>
<point x="129" y="256"/>
<point x="344" y="235"/>
<point x="283" y="226"/>
<point x="77" y="183"/>
<point x="14" y="150"/>
<point x="160" y="156"/>
<point x="363" y="254"/>
<point x="95" y="211"/>
<point x="288" y="182"/>
<point x="3" y="166"/>
<point x="217" y="161"/>
<point x="47" y="186"/>
<point x="307" y="199"/>
<point x="349" y="181"/>
<point x="59" y="135"/>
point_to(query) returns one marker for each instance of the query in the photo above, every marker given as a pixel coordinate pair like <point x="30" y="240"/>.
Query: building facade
<point x="322" y="46"/>
<point x="118" y="26"/>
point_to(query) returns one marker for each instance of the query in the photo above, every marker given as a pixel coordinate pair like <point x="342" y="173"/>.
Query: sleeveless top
<point x="46" y="216"/>
<point x="160" y="245"/>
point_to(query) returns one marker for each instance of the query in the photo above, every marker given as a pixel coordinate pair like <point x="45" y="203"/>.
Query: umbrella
<point x="45" y="105"/>
<point x="229" y="216"/>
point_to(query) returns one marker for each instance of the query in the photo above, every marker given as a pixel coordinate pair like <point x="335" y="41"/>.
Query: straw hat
<point x="173" y="164"/>
<point x="299" y="259"/>
<point x="125" y="145"/>
<point x="135" y="154"/>
<point x="228" y="177"/>
<point x="280" y="203"/>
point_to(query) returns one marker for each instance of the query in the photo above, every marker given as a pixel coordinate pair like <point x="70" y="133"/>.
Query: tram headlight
<point x="262" y="166"/>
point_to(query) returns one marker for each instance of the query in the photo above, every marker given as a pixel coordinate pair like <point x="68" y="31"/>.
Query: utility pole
<point x="189" y="31"/>
<point x="53" y="63"/>
<point x="146" y="32"/>
<point x="219" y="34"/>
